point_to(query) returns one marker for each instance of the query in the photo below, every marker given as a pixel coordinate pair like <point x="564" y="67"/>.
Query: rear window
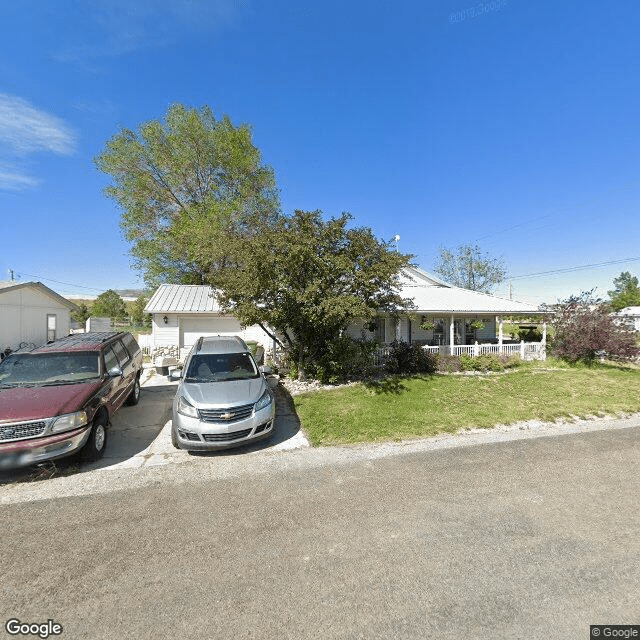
<point x="218" y="367"/>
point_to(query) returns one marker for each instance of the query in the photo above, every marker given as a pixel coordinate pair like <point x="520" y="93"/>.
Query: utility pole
<point x="10" y="272"/>
<point x="510" y="290"/>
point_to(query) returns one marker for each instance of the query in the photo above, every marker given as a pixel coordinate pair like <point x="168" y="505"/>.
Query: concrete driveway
<point x="141" y="436"/>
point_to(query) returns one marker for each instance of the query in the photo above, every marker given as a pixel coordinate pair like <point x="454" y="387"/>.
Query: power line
<point x="556" y="211"/>
<point x="69" y="284"/>
<point x="570" y="269"/>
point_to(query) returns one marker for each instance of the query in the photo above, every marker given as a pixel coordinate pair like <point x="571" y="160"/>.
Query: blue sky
<point x="516" y="127"/>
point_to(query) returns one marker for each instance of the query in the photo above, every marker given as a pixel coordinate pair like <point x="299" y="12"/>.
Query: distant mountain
<point x="128" y="295"/>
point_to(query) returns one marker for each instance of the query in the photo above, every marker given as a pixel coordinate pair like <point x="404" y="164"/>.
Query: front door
<point x="458" y="332"/>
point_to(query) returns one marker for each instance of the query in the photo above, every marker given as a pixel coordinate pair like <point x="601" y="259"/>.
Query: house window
<point x="51" y="327"/>
<point x="380" y="331"/>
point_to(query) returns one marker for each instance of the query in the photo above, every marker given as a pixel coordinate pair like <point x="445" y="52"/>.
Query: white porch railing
<point x="526" y="350"/>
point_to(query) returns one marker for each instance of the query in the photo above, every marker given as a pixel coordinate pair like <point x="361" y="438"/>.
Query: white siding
<point x="23" y="317"/>
<point x="182" y="330"/>
<point x="165" y="335"/>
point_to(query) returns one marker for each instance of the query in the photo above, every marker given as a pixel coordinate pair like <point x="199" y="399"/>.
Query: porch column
<point x="398" y="329"/>
<point x="500" y="335"/>
<point x="452" y="334"/>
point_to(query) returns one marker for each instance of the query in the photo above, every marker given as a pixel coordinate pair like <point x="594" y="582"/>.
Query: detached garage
<point x="182" y="313"/>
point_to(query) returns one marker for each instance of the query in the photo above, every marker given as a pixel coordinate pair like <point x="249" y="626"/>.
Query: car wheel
<point x="174" y="439"/>
<point x="97" y="442"/>
<point x="134" y="396"/>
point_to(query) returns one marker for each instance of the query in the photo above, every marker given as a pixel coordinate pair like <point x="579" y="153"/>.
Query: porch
<point x="471" y="334"/>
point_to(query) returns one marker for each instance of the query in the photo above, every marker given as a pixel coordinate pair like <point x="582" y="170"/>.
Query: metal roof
<point x="183" y="298"/>
<point x="429" y="294"/>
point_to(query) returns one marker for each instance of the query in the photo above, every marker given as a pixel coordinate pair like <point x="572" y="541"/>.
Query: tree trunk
<point x="301" y="372"/>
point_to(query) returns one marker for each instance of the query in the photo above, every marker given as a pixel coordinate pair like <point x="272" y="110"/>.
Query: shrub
<point x="585" y="331"/>
<point x="345" y="358"/>
<point x="448" y="363"/>
<point x="409" y="358"/>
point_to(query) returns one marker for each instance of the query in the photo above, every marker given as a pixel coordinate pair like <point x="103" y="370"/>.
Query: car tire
<point x="96" y="444"/>
<point x="134" y="396"/>
<point x="174" y="439"/>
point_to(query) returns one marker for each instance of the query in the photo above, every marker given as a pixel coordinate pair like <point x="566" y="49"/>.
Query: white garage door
<point x="193" y="328"/>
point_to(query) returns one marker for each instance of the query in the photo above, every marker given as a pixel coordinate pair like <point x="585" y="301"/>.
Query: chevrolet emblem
<point x="227" y="416"/>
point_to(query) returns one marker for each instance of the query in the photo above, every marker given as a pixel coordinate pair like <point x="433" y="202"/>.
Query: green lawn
<point x="416" y="407"/>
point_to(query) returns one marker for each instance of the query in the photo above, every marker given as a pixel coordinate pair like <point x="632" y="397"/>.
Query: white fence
<point x="145" y="340"/>
<point x="526" y="350"/>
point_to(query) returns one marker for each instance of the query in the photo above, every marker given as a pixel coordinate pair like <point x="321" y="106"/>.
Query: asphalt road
<point x="529" y="539"/>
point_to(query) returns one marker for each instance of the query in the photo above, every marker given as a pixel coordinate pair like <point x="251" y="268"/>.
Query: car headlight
<point x="265" y="401"/>
<point x="69" y="421"/>
<point x="186" y="409"/>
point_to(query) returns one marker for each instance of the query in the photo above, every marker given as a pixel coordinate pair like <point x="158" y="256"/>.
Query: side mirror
<point x="175" y="374"/>
<point x="115" y="372"/>
<point x="265" y="370"/>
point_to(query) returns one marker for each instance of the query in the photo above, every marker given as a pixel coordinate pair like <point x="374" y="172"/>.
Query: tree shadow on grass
<point x="387" y="386"/>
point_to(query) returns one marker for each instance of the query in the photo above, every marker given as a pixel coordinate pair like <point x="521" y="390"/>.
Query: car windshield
<point x="218" y="367"/>
<point x="48" y="369"/>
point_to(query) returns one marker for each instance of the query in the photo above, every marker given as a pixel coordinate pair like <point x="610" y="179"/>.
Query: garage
<point x="192" y="328"/>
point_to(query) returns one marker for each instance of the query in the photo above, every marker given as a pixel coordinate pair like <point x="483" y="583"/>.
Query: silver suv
<point x="223" y="399"/>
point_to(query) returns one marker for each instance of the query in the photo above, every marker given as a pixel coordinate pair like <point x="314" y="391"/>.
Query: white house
<point x="31" y="312"/>
<point x="459" y="317"/>
<point x="447" y="318"/>
<point x="632" y="315"/>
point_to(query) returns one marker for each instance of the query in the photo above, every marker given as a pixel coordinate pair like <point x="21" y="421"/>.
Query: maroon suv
<point x="58" y="399"/>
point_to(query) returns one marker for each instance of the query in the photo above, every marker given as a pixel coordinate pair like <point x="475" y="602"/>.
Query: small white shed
<point x="31" y="312"/>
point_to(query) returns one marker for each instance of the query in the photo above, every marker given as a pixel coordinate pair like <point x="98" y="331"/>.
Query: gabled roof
<point x="430" y="295"/>
<point x="183" y="298"/>
<point x="12" y="286"/>
<point x="629" y="311"/>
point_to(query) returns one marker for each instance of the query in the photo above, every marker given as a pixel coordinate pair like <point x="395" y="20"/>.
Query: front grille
<point x="226" y="415"/>
<point x="24" y="430"/>
<point x="226" y="437"/>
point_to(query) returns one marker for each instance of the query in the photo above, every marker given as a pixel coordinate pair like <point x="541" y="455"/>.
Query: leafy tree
<point x="626" y="292"/>
<point x="308" y="279"/>
<point x="585" y="330"/>
<point x="109" y="305"/>
<point x="468" y="267"/>
<point x="81" y="314"/>
<point x="185" y="183"/>
<point x="135" y="310"/>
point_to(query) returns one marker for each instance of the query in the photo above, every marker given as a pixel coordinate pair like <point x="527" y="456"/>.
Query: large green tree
<point x="308" y="278"/>
<point x="109" y="305"/>
<point x="626" y="292"/>
<point x="183" y="183"/>
<point x="136" y="312"/>
<point x="470" y="268"/>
